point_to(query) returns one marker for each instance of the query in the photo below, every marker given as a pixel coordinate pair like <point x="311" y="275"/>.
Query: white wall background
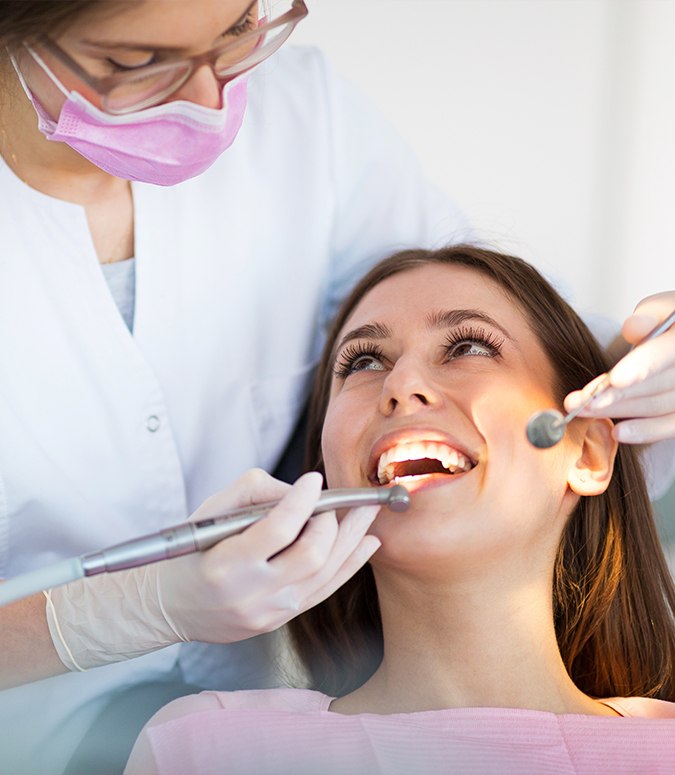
<point x="551" y="122"/>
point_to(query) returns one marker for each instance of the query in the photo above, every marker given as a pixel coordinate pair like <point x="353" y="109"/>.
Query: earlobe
<point x="591" y="472"/>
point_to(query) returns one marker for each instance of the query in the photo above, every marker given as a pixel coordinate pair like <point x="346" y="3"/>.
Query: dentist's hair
<point x="26" y="19"/>
<point x="613" y="595"/>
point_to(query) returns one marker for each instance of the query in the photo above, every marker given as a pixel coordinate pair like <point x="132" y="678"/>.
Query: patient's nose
<point x="408" y="387"/>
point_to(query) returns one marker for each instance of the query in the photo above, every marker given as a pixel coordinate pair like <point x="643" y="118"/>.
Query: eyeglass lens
<point x="144" y="89"/>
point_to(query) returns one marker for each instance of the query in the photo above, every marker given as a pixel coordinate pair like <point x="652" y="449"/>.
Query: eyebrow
<point x="117" y="45"/>
<point x="435" y="320"/>
<point x="369" y="331"/>
<point x="455" y="317"/>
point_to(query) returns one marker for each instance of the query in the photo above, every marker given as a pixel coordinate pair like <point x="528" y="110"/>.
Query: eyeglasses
<point x="150" y="85"/>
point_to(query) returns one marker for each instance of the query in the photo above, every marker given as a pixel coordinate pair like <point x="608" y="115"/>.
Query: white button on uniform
<point x="152" y="423"/>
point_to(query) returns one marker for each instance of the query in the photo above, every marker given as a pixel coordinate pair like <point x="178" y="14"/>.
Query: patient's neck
<point x="472" y="644"/>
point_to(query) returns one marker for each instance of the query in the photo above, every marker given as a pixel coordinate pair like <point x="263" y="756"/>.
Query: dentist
<point x="179" y="215"/>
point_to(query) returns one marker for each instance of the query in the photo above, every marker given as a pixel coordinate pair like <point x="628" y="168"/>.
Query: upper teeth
<point x="449" y="458"/>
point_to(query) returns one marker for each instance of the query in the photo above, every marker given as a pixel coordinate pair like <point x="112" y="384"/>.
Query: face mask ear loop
<point x="45" y="68"/>
<point x="19" y="75"/>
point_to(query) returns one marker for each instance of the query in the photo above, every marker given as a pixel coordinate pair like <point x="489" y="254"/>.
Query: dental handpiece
<point x="186" y="538"/>
<point x="545" y="429"/>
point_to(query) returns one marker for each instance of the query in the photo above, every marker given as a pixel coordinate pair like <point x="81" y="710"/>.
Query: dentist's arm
<point x="27" y="651"/>
<point x="248" y="584"/>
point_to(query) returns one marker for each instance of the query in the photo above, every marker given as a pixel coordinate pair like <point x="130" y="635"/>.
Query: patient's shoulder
<point x="642" y="707"/>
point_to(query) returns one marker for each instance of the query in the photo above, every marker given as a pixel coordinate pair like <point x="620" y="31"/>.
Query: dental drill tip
<point x="398" y="498"/>
<point x="545" y="429"/>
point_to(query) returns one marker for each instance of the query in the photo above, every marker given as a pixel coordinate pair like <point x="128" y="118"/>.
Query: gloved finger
<point x="271" y="595"/>
<point x="661" y="382"/>
<point x="637" y="326"/>
<point x="635" y="408"/>
<point x="645" y="369"/>
<point x="315" y="560"/>
<point x="657" y="397"/>
<point x="650" y="358"/>
<point x="576" y="397"/>
<point x="285" y="521"/>
<point x="647" y="314"/>
<point x="255" y="486"/>
<point x="645" y="430"/>
<point x="367" y="547"/>
<point x="309" y="552"/>
<point x="293" y="600"/>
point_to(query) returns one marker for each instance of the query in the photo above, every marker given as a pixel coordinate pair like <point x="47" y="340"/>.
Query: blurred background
<point x="550" y="122"/>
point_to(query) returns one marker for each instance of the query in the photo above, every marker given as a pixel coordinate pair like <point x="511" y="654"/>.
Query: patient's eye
<point x="358" y="357"/>
<point x="470" y="341"/>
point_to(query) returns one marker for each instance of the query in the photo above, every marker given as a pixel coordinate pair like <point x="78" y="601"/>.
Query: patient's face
<point x="436" y="375"/>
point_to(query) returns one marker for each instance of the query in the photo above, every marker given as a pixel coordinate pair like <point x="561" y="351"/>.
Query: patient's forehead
<point x="436" y="287"/>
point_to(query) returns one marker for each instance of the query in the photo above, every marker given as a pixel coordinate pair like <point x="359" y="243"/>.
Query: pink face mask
<point x="165" y="144"/>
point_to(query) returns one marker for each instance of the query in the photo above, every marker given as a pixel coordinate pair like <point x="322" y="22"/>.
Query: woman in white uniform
<point x="175" y="228"/>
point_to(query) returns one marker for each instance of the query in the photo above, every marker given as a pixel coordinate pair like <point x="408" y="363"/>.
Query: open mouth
<point x="420" y="458"/>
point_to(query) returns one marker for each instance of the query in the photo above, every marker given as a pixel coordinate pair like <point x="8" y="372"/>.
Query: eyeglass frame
<point x="104" y="85"/>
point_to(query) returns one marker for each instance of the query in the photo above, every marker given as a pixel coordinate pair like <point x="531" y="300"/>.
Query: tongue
<point x="419" y="467"/>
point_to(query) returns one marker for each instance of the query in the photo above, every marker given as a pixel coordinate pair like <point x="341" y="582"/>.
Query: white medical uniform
<point x="105" y="435"/>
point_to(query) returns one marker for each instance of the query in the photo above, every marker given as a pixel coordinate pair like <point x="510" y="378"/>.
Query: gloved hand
<point x="643" y="383"/>
<point x="246" y="585"/>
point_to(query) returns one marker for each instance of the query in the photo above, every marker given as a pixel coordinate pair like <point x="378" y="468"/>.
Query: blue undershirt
<point x="121" y="279"/>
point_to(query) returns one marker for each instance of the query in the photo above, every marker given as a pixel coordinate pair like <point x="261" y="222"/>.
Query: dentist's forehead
<point x="173" y="24"/>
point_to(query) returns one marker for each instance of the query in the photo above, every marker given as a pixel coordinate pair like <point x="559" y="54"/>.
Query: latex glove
<point x="642" y="382"/>
<point x="280" y="566"/>
<point x="243" y="586"/>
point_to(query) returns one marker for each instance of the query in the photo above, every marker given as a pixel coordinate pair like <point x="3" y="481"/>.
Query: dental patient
<point x="519" y="617"/>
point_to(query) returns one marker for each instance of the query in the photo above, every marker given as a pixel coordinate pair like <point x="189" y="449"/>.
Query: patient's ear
<point x="591" y="472"/>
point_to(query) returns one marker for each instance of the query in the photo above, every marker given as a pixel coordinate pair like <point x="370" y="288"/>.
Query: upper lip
<point x="407" y="435"/>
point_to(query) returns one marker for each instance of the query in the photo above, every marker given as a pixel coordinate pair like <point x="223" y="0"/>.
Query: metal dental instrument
<point x="545" y="429"/>
<point x="185" y="538"/>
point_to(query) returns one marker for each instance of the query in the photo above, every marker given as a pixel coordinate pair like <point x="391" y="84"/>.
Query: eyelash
<point x="118" y="68"/>
<point x="351" y="354"/>
<point x="246" y="24"/>
<point x="470" y="335"/>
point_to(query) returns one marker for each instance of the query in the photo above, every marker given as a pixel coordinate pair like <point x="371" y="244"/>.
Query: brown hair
<point x="614" y="602"/>
<point x="26" y="19"/>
